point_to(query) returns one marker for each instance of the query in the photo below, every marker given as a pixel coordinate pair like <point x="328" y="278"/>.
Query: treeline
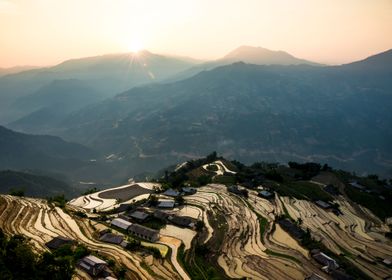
<point x="18" y="261"/>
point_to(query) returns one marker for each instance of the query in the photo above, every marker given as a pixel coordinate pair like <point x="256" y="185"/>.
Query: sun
<point x="135" y="45"/>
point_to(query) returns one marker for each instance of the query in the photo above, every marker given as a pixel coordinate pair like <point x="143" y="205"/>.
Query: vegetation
<point x="380" y="207"/>
<point x="18" y="261"/>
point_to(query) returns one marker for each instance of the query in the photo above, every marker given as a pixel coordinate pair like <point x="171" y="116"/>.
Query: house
<point x="112" y="238"/>
<point x="323" y="204"/>
<point x="102" y="232"/>
<point x="329" y="263"/>
<point x="161" y="215"/>
<point x="266" y="194"/>
<point x="121" y="223"/>
<point x="292" y="229"/>
<point x="182" y="221"/>
<point x="172" y="193"/>
<point x="92" y="265"/>
<point x="189" y="191"/>
<point x="58" y="242"/>
<point x="235" y="189"/>
<point x="144" y="232"/>
<point x="139" y="215"/>
<point x="358" y="186"/>
<point x="166" y="204"/>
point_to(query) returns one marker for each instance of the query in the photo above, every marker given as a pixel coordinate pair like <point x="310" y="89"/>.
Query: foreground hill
<point x="340" y="115"/>
<point x="107" y="75"/>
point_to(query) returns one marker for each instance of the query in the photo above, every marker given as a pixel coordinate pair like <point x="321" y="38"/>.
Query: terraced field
<point x="241" y="233"/>
<point x="34" y="219"/>
<point x="108" y="199"/>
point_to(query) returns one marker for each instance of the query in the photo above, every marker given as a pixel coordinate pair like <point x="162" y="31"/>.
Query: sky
<point x="47" y="32"/>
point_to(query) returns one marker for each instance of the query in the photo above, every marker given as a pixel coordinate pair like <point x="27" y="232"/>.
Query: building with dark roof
<point x="92" y="265"/>
<point x="357" y="186"/>
<point x="172" y="193"/>
<point x="182" y="221"/>
<point x="112" y="238"/>
<point x="265" y="194"/>
<point x="328" y="263"/>
<point x="323" y="204"/>
<point x="121" y="223"/>
<point x="189" y="190"/>
<point x="161" y="215"/>
<point x="292" y="229"/>
<point x="144" y="232"/>
<point x="139" y="215"/>
<point x="166" y="204"/>
<point x="58" y="242"/>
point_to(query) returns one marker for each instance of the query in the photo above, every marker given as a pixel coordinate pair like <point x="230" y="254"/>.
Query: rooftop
<point x="166" y="203"/>
<point x="139" y="215"/>
<point x="93" y="260"/>
<point x="121" y="223"/>
<point x="112" y="238"/>
<point x="171" y="192"/>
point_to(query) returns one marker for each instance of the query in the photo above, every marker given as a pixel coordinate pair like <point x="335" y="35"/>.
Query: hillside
<point x="49" y="105"/>
<point x="49" y="153"/>
<point x="32" y="185"/>
<point x="279" y="113"/>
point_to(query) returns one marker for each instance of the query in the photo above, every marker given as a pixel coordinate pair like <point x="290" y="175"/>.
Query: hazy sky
<point x="44" y="32"/>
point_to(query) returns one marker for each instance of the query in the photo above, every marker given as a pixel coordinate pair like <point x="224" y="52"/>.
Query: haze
<point x="46" y="32"/>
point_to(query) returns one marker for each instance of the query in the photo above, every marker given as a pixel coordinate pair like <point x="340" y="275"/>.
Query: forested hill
<point x="28" y="184"/>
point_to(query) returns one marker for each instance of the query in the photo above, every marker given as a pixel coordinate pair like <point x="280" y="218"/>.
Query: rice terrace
<point x="191" y="225"/>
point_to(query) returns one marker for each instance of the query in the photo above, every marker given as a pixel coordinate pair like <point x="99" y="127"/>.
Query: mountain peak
<point x="260" y="55"/>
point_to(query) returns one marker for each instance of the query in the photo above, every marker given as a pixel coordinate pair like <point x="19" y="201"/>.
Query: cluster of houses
<point x="137" y="230"/>
<point x="329" y="265"/>
<point x="94" y="266"/>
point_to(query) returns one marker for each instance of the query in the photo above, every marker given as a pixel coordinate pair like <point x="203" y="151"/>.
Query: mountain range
<point x="269" y="106"/>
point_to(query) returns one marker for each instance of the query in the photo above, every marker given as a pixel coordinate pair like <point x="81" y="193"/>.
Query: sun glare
<point x="135" y="46"/>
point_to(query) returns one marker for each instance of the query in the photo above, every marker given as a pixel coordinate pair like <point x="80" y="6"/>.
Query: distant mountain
<point x="23" y="151"/>
<point x="107" y="75"/>
<point x="252" y="112"/>
<point x="247" y="54"/>
<point x="32" y="185"/>
<point x="262" y="56"/>
<point x="16" y="69"/>
<point x="52" y="103"/>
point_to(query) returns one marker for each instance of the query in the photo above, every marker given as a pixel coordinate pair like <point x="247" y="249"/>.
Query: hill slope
<point x="23" y="151"/>
<point x="32" y="185"/>
<point x="279" y="113"/>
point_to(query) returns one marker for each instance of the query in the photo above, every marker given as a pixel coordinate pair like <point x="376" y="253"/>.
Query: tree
<point x="153" y="200"/>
